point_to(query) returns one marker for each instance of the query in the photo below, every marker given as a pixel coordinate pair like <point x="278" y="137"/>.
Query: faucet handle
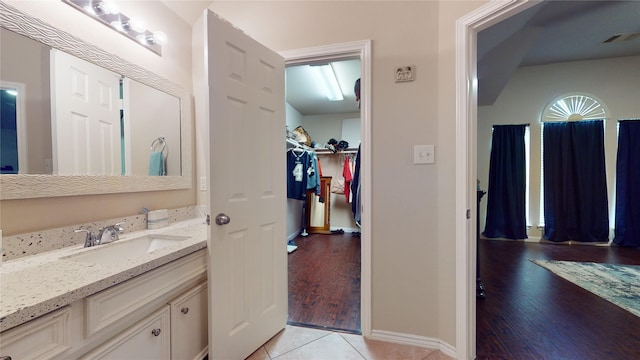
<point x="89" y="239"/>
<point x="119" y="227"/>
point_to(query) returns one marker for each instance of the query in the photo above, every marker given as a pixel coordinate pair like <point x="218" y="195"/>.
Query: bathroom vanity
<point x="144" y="295"/>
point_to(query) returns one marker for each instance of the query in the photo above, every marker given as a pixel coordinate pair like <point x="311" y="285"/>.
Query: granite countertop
<point x="35" y="285"/>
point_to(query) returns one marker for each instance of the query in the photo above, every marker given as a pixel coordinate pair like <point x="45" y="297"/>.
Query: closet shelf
<point x="321" y="151"/>
<point x="329" y="152"/>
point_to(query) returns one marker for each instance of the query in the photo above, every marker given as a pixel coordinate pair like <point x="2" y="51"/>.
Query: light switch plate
<point x="424" y="154"/>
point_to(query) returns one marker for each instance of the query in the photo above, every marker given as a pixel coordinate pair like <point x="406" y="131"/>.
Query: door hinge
<point x="468" y="213"/>
<point x="208" y="220"/>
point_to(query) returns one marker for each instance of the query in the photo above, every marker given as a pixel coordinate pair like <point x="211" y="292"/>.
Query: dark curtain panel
<point x="507" y="187"/>
<point x="575" y="186"/>
<point x="628" y="185"/>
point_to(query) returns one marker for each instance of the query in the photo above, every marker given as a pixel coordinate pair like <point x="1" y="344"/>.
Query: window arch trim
<point x="575" y="107"/>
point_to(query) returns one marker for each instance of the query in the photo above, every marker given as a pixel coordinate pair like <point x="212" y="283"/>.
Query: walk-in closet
<point x="323" y="225"/>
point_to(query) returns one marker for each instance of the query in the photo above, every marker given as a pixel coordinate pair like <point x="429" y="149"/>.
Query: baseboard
<point x="414" y="340"/>
<point x="531" y="239"/>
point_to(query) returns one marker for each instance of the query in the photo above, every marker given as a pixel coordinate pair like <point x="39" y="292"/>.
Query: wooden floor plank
<point x="530" y="313"/>
<point x="324" y="282"/>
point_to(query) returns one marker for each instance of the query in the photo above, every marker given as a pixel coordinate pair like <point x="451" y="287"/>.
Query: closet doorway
<point x="328" y="270"/>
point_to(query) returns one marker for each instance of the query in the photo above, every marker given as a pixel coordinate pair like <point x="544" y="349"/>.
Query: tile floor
<point x="313" y="344"/>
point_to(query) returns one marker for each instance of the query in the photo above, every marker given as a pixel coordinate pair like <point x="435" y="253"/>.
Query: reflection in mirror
<point x="30" y="167"/>
<point x="80" y="128"/>
<point x="25" y="69"/>
<point x="150" y="115"/>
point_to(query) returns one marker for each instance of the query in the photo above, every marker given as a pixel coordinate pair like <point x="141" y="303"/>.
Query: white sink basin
<point x="123" y="250"/>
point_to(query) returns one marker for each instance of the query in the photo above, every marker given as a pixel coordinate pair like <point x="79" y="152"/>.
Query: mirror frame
<point x="41" y="186"/>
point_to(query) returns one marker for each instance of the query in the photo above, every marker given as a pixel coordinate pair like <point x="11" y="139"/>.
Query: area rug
<point x="619" y="284"/>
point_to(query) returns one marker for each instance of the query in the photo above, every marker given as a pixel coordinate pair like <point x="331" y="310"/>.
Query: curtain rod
<point x="630" y="119"/>
<point x="511" y="124"/>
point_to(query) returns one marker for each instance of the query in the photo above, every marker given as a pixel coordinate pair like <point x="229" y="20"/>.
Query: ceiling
<point x="550" y="32"/>
<point x="309" y="98"/>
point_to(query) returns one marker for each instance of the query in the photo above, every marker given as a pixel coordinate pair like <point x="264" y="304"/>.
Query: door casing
<point x="467" y="28"/>
<point x="343" y="51"/>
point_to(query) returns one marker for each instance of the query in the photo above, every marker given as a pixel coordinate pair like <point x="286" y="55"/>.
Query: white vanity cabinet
<point x="189" y="321"/>
<point x="43" y="338"/>
<point x="148" y="339"/>
<point x="160" y="314"/>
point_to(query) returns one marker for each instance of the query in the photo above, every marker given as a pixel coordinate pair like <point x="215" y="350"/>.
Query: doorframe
<point x="467" y="28"/>
<point x="350" y="50"/>
<point x="21" y="126"/>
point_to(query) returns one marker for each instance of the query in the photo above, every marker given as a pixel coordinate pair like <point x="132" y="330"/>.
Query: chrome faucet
<point x="110" y="233"/>
<point x="90" y="239"/>
<point x="105" y="235"/>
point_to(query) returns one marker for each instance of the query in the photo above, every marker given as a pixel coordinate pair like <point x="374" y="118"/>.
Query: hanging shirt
<point x="313" y="174"/>
<point x="297" y="176"/>
<point x="348" y="177"/>
<point x="355" y="188"/>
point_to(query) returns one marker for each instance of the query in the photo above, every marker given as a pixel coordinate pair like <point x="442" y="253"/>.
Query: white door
<point x="85" y="125"/>
<point x="247" y="256"/>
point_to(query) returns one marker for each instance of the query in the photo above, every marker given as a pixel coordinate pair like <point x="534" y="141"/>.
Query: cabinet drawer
<point x="121" y="301"/>
<point x="149" y="339"/>
<point x="189" y="322"/>
<point x="43" y="338"/>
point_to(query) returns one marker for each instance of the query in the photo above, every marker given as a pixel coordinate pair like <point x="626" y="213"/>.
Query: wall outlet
<point x="203" y="183"/>
<point x="424" y="154"/>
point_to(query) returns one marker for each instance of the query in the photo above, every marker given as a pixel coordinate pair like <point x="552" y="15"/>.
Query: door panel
<point x="86" y="117"/>
<point x="248" y="264"/>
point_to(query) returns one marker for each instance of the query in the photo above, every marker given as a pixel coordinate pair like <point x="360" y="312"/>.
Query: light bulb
<point x="106" y="7"/>
<point x="110" y="7"/>
<point x="137" y="24"/>
<point x="160" y="38"/>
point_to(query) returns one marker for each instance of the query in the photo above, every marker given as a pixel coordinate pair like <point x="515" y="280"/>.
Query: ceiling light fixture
<point x="327" y="77"/>
<point x="133" y="27"/>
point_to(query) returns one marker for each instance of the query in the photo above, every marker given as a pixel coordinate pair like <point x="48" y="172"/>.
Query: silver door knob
<point x="222" y="219"/>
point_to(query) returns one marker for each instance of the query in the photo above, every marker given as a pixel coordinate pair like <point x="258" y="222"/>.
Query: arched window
<point x="575" y="107"/>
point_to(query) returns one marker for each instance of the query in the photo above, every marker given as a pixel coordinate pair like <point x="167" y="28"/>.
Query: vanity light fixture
<point x="133" y="27"/>
<point x="327" y="77"/>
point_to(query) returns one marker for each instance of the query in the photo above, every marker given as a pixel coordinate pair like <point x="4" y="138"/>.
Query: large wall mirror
<point x="77" y="120"/>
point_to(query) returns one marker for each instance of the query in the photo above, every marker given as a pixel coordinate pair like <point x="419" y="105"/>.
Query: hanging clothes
<point x="297" y="176"/>
<point x="355" y="189"/>
<point x="348" y="177"/>
<point x="313" y="174"/>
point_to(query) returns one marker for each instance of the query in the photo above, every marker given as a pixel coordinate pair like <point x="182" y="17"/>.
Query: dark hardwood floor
<point x="530" y="313"/>
<point x="324" y="282"/>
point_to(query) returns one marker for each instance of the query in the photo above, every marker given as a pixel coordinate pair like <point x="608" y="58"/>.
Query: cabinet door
<point x="189" y="324"/>
<point x="147" y="340"/>
<point x="42" y="339"/>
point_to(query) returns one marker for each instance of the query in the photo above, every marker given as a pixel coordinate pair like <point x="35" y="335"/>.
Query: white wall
<point x="294" y="207"/>
<point x="529" y="92"/>
<point x="321" y="128"/>
<point x="152" y="114"/>
<point x="26" y="66"/>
